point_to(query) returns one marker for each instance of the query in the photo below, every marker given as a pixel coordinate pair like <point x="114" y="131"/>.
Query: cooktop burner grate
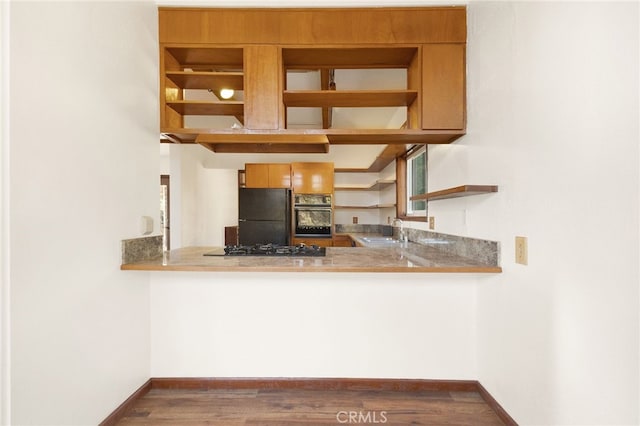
<point x="274" y="250"/>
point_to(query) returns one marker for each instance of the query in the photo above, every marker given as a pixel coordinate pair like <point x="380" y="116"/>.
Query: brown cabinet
<point x="267" y="175"/>
<point x="253" y="52"/>
<point x="262" y="93"/>
<point x="443" y="86"/>
<point x="312" y="178"/>
<point x="342" y="241"/>
<point x="320" y="242"/>
<point x="230" y="235"/>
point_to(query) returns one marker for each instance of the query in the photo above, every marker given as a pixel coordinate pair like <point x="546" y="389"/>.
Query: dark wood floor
<point x="289" y="407"/>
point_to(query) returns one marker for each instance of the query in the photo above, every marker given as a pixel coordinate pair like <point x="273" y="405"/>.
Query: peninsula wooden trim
<point x="123" y="408"/>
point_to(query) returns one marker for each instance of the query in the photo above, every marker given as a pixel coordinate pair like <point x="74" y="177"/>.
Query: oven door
<point x="312" y="221"/>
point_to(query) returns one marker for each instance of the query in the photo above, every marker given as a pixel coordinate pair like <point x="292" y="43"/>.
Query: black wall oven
<point x="312" y="215"/>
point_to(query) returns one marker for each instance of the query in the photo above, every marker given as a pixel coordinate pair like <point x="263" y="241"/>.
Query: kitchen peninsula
<point x="374" y="257"/>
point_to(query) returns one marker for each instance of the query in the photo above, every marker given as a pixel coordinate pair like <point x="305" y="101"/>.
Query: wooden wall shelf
<point x="256" y="142"/>
<point x="361" y="57"/>
<point x="233" y="108"/>
<point x="375" y="206"/>
<point x="376" y="186"/>
<point x="400" y="137"/>
<point x="200" y="58"/>
<point x="207" y="80"/>
<point x="349" y="98"/>
<point x="456" y="192"/>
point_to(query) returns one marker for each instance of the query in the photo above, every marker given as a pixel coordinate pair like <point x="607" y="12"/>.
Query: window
<point x="417" y="181"/>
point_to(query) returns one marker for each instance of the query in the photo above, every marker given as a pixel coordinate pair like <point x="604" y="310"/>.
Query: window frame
<point x="413" y="155"/>
<point x="402" y="192"/>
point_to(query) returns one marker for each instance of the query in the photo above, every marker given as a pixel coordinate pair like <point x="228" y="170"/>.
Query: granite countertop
<point x="399" y="257"/>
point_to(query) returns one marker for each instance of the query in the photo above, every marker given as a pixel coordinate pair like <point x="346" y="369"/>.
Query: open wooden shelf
<point x="361" y="57"/>
<point x="376" y="186"/>
<point x="207" y="80"/>
<point x="375" y="206"/>
<point x="208" y="58"/>
<point x="248" y="143"/>
<point x="233" y="108"/>
<point x="334" y="136"/>
<point x="456" y="192"/>
<point x="349" y="98"/>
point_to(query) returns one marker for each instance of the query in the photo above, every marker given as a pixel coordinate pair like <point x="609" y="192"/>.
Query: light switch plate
<point x="522" y="255"/>
<point x="432" y="222"/>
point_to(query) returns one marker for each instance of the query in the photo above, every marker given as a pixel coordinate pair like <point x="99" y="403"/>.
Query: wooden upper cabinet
<point x="279" y="175"/>
<point x="313" y="26"/>
<point x="267" y="175"/>
<point x="443" y="86"/>
<point x="191" y="79"/>
<point x="255" y="51"/>
<point x="312" y="178"/>
<point x="256" y="175"/>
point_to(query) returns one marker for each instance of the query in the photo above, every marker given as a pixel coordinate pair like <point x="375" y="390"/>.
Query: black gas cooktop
<point x="274" y="250"/>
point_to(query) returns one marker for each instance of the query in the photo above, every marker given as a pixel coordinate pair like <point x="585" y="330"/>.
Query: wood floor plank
<point x="288" y="407"/>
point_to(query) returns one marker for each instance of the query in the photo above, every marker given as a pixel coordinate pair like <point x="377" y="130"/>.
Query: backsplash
<point x="143" y="248"/>
<point x="485" y="251"/>
<point x="364" y="228"/>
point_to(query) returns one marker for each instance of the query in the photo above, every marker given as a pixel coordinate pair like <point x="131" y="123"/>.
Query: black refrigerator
<point x="264" y="216"/>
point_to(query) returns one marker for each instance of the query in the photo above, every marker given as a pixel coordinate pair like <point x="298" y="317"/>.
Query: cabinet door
<point x="443" y="86"/>
<point x="279" y="175"/>
<point x="262" y="94"/>
<point x="320" y="242"/>
<point x="256" y="175"/>
<point x="312" y="178"/>
<point x="342" y="241"/>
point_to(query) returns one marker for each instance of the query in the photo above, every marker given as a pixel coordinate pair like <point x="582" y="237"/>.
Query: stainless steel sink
<point x="379" y="241"/>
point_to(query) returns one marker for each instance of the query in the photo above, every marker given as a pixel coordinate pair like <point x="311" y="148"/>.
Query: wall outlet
<point x="432" y="222"/>
<point x="522" y="251"/>
<point x="355" y="219"/>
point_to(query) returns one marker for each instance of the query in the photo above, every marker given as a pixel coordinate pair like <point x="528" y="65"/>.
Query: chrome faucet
<point x="401" y="236"/>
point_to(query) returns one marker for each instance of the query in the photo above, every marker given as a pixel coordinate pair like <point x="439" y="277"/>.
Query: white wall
<point x="83" y="169"/>
<point x="386" y="195"/>
<point x="313" y="325"/>
<point x="203" y="200"/>
<point x="553" y="120"/>
<point x="5" y="391"/>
